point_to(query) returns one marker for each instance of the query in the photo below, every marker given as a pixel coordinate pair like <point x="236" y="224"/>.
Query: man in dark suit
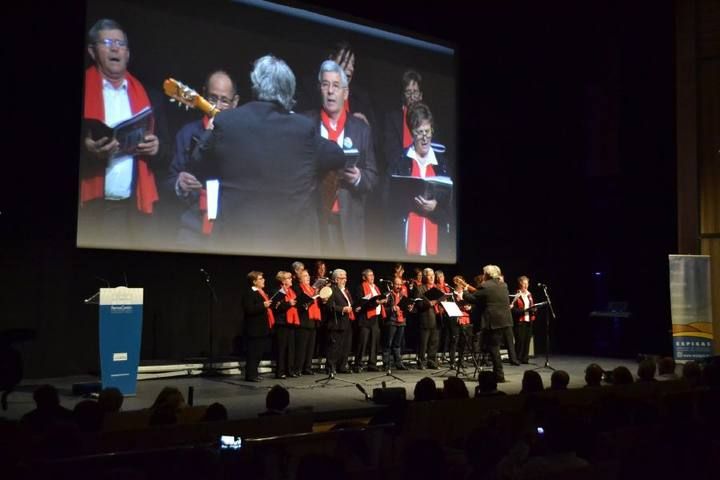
<point x="397" y="135"/>
<point x="491" y="301"/>
<point x="339" y="326"/>
<point x="268" y="161"/>
<point x="370" y="314"/>
<point x="258" y="319"/>
<point x="195" y="228"/>
<point x="429" y="335"/>
<point x="345" y="195"/>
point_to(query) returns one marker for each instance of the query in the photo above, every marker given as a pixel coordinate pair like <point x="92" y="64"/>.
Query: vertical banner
<point x="120" y="330"/>
<point x="691" y="306"/>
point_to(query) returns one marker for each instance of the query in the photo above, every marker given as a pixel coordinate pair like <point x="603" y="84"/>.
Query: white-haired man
<point x="491" y="300"/>
<point x="268" y="161"/>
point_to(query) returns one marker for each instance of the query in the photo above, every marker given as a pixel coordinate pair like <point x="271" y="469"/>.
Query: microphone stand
<point x="547" y="330"/>
<point x="209" y="370"/>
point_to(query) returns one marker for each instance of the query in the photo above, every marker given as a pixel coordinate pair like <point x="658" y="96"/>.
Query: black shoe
<point x="517" y="364"/>
<point x="357" y="370"/>
<point x="420" y="366"/>
<point x="294" y="375"/>
<point x="401" y="366"/>
<point x="373" y="369"/>
<point x="433" y="366"/>
<point x="501" y="379"/>
<point x="308" y="372"/>
<point x="281" y="376"/>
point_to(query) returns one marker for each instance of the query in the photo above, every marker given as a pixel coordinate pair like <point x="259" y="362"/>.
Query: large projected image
<point x="299" y="135"/>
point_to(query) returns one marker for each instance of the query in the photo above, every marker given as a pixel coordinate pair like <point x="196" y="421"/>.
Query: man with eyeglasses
<point x="195" y="227"/>
<point x="117" y="190"/>
<point x="342" y="217"/>
<point x="397" y="137"/>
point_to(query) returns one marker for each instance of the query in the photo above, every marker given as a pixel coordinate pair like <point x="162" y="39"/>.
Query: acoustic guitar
<point x="186" y="96"/>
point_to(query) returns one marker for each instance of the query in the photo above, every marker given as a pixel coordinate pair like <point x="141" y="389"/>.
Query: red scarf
<point x="370" y="312"/>
<point x="314" y="309"/>
<point x="291" y="316"/>
<point x="445" y="289"/>
<point x="399" y="313"/>
<point x="333" y="134"/>
<point x="407" y="137"/>
<point x="522" y="306"/>
<point x="464" y="319"/>
<point x="347" y="294"/>
<point x="346" y="107"/>
<point x="270" y="316"/>
<point x="416" y="221"/>
<point x="92" y="182"/>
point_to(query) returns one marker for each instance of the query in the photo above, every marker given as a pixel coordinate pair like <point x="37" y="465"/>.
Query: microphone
<point x="106" y="282"/>
<point x="207" y="275"/>
<point x="362" y="389"/>
<point x="384" y="280"/>
<point x="541" y="285"/>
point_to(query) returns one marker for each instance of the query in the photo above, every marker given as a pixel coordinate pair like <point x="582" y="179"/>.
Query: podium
<point x="120" y="332"/>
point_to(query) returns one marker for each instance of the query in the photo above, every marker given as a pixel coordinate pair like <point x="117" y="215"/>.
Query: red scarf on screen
<point x="370" y="312"/>
<point x="314" y="309"/>
<point x="416" y="221"/>
<point x="291" y="316"/>
<point x="333" y="134"/>
<point x="92" y="182"/>
<point x="207" y="225"/>
<point x="270" y="316"/>
<point x="399" y="315"/>
<point x="407" y="137"/>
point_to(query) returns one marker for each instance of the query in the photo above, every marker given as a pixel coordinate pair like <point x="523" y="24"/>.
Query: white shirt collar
<point x="428" y="159"/>
<point x="107" y="84"/>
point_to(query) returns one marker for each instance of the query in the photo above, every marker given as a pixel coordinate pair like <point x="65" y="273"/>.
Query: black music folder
<point x="129" y="133"/>
<point x="352" y="155"/>
<point x="404" y="188"/>
<point x="435" y="294"/>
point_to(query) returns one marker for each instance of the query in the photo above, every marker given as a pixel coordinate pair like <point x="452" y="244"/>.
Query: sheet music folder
<point x="405" y="188"/>
<point x="129" y="133"/>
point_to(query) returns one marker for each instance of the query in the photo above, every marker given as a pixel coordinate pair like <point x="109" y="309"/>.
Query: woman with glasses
<point x="426" y="224"/>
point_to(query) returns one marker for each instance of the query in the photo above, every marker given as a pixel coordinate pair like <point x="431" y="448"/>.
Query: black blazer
<point x="337" y="320"/>
<point x="255" y="313"/>
<point x="280" y="307"/>
<point x="268" y="161"/>
<point x="361" y="316"/>
<point x="493" y="303"/>
<point x="352" y="198"/>
<point x="426" y="312"/>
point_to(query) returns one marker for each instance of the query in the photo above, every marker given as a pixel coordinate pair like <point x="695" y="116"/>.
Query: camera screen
<point x="230" y="442"/>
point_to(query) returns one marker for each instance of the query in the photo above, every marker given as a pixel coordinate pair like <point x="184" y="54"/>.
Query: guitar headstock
<point x="184" y="95"/>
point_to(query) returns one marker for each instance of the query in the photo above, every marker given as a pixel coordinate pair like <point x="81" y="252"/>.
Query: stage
<point x="330" y="401"/>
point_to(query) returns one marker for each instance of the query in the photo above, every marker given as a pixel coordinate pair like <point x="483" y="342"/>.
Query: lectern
<point x="120" y="332"/>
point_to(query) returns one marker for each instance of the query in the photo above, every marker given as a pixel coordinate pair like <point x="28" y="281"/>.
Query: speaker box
<point x="387" y="396"/>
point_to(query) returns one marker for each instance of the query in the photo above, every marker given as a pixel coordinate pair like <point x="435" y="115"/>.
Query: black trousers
<point x="451" y="331"/>
<point x="335" y="349"/>
<point x="285" y="342"/>
<point x="255" y="347"/>
<point x="304" y="348"/>
<point x="368" y="337"/>
<point x="392" y="344"/>
<point x="346" y="347"/>
<point x="493" y="338"/>
<point x="509" y="340"/>
<point x="427" y="351"/>
<point x="523" y="334"/>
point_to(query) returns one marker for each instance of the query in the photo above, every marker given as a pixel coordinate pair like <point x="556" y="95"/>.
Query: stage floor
<point x="332" y="401"/>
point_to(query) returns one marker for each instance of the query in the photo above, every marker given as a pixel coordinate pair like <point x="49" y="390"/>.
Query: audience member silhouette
<point x="593" y="375"/>
<point x="455" y="388"/>
<point x="487" y="385"/>
<point x="646" y="371"/>
<point x="167" y="405"/>
<point x="559" y="380"/>
<point x="110" y="400"/>
<point x="621" y="376"/>
<point x="425" y="390"/>
<point x="215" y="412"/>
<point x="666" y="369"/>
<point x="276" y="401"/>
<point x="48" y="410"/>
<point x="692" y="373"/>
<point x="88" y="416"/>
<point x="531" y="382"/>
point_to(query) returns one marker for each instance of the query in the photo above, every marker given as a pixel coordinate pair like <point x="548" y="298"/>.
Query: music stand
<point x="546" y="303"/>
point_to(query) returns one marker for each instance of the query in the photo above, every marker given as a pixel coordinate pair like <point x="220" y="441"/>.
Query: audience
<point x="666" y="369"/>
<point x="559" y="380"/>
<point x="593" y="375"/>
<point x="425" y="390"/>
<point x="487" y="385"/>
<point x="532" y="382"/>
<point x="215" y="412"/>
<point x="110" y="400"/>
<point x="167" y="405"/>
<point x="48" y="410"/>
<point x="455" y="388"/>
<point x="622" y="376"/>
<point x="88" y="416"/>
<point x="692" y="373"/>
<point x="646" y="371"/>
<point x="276" y="401"/>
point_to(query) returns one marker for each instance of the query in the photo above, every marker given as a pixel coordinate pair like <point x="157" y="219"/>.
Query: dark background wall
<point x="567" y="141"/>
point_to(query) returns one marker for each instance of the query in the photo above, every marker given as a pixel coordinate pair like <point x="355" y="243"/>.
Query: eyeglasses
<point x="328" y="86"/>
<point x="412" y="93"/>
<point x="423" y="133"/>
<point x="215" y="100"/>
<point x="109" y="42"/>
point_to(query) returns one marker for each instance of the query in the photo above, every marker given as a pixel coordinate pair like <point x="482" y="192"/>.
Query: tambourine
<point x="325" y="293"/>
